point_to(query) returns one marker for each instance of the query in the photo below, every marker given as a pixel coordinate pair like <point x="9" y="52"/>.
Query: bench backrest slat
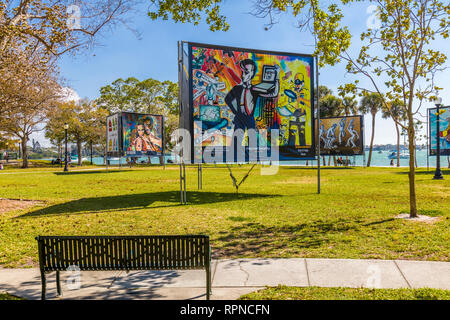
<point x="124" y="252"/>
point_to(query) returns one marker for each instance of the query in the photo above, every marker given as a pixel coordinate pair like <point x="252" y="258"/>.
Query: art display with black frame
<point x="132" y="134"/>
<point x="444" y="131"/>
<point x="341" y="136"/>
<point x="223" y="89"/>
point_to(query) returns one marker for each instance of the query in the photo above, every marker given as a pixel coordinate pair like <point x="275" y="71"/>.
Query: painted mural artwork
<point x="142" y="134"/>
<point x="444" y="130"/>
<point x="341" y="135"/>
<point x="112" y="127"/>
<point x="246" y="90"/>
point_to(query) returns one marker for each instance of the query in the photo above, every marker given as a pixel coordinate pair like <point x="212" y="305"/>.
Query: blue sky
<point x="154" y="55"/>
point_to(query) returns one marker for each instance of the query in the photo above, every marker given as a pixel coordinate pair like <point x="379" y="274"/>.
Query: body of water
<point x="378" y="160"/>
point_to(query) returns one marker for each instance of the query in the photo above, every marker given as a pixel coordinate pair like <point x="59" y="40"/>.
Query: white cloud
<point x="70" y="94"/>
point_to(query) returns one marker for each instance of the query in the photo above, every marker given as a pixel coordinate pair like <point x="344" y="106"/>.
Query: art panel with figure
<point x="142" y="134"/>
<point x="444" y="131"/>
<point x="253" y="91"/>
<point x="341" y="135"/>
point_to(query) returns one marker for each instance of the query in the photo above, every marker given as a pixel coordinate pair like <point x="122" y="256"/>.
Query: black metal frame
<point x="98" y="253"/>
<point x="123" y="152"/>
<point x="311" y="150"/>
<point x="361" y="121"/>
<point x="433" y="152"/>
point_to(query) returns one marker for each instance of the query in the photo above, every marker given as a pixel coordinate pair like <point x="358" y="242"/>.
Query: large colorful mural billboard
<point x="444" y="130"/>
<point x="341" y="135"/>
<point x="142" y="134"/>
<point x="253" y="91"/>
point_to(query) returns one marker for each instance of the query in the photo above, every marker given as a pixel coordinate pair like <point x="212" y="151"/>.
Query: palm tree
<point x="349" y="105"/>
<point x="330" y="106"/>
<point x="323" y="91"/>
<point x="371" y="103"/>
<point x="395" y="111"/>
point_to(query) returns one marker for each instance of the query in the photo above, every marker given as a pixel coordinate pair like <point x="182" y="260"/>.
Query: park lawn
<point x="6" y="296"/>
<point x="43" y="165"/>
<point x="318" y="293"/>
<point x="275" y="216"/>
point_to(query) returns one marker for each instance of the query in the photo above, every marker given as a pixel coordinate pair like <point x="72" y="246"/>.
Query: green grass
<point x="272" y="216"/>
<point x="6" y="296"/>
<point x="317" y="293"/>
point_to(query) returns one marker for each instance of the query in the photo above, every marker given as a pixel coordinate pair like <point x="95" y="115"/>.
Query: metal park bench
<point x="102" y="253"/>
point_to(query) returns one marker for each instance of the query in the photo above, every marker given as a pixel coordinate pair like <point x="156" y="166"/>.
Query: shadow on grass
<point x="88" y="172"/>
<point x="256" y="239"/>
<point x="431" y="172"/>
<point x="315" y="168"/>
<point x="138" y="202"/>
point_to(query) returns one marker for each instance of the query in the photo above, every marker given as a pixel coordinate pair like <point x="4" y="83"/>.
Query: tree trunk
<point x="24" y="152"/>
<point x="412" y="168"/>
<point x="415" y="156"/>
<point x="329" y="160"/>
<point x="448" y="160"/>
<point x="80" y="158"/>
<point x="371" y="140"/>
<point x="324" y="161"/>
<point x="398" y="144"/>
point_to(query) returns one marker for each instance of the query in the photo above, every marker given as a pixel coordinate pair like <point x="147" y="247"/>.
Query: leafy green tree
<point x="323" y="91"/>
<point x="400" y="58"/>
<point x="55" y="134"/>
<point x="59" y="26"/>
<point x="349" y="105"/>
<point x="147" y="96"/>
<point x="28" y="107"/>
<point x="371" y="103"/>
<point x="95" y="127"/>
<point x="86" y="121"/>
<point x="323" y="20"/>
<point x="330" y="106"/>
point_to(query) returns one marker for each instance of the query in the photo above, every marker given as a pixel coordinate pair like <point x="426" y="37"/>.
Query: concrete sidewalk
<point x="233" y="278"/>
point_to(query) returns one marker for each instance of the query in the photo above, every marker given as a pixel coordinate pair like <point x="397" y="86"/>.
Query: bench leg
<point x="208" y="283"/>
<point x="43" y="282"/>
<point x="58" y="283"/>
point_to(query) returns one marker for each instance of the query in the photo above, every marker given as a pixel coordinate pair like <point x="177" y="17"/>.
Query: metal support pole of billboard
<point x="182" y="182"/>
<point x="199" y="177"/>
<point x="318" y="121"/>
<point x="162" y="158"/>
